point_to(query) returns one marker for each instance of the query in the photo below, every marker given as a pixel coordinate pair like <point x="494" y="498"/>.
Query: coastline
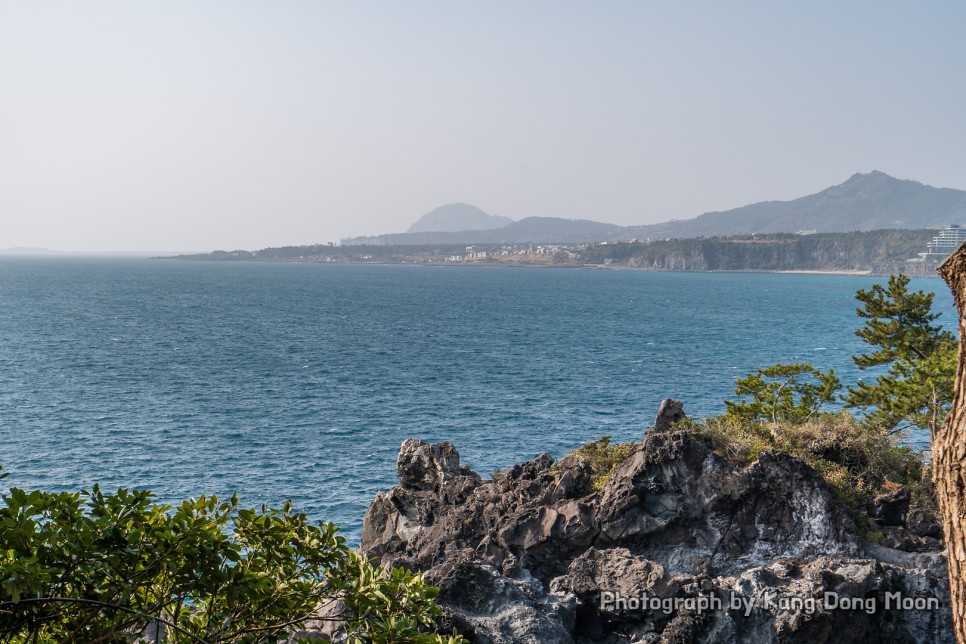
<point x="818" y="272"/>
<point x="875" y="272"/>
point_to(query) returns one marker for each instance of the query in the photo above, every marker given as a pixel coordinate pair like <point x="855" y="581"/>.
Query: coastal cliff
<point x="679" y="545"/>
<point x="880" y="251"/>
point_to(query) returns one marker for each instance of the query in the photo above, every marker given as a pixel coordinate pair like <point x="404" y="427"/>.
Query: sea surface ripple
<point x="299" y="381"/>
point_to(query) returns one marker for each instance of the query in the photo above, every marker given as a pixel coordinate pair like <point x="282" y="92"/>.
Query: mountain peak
<point x="457" y="217"/>
<point x="875" y="180"/>
<point x="874" y="175"/>
<point x="865" y="201"/>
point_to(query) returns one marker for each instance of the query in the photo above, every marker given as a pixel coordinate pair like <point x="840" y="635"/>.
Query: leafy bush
<point x="603" y="458"/>
<point x="98" y="567"/>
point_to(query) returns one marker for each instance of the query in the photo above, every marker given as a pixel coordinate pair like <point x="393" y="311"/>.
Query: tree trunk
<point x="949" y="455"/>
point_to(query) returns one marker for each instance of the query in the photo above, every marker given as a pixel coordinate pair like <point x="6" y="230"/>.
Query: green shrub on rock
<point x="602" y="457"/>
<point x="859" y="462"/>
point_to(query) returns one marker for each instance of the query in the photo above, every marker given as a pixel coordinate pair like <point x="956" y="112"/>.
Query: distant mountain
<point x="872" y="201"/>
<point x="546" y="230"/>
<point x="865" y="202"/>
<point x="456" y="217"/>
<point x="557" y="230"/>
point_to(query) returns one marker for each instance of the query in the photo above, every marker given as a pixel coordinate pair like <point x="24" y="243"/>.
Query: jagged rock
<point x="530" y="515"/>
<point x="424" y="467"/>
<point x="900" y="538"/>
<point x="429" y="476"/>
<point x="834" y="599"/>
<point x="491" y="608"/>
<point x="533" y="555"/>
<point x="891" y="508"/>
<point x="621" y="574"/>
<point x="922" y="524"/>
<point x="673" y="490"/>
<point x="670" y="412"/>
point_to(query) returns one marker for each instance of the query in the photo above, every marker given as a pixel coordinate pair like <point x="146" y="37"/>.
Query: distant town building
<point x="948" y="240"/>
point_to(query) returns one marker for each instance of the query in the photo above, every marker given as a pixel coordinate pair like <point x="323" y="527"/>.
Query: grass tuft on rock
<point x="856" y="460"/>
<point x="603" y="457"/>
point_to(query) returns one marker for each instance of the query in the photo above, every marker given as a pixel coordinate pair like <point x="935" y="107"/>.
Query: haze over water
<point x="299" y="381"/>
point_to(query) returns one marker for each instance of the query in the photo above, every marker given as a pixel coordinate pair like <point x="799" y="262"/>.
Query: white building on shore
<point x="948" y="240"/>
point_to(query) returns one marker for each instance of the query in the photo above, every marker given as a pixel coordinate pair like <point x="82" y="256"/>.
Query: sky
<point x="195" y="126"/>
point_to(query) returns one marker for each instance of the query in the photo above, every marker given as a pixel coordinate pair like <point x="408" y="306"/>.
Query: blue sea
<point x="299" y="381"/>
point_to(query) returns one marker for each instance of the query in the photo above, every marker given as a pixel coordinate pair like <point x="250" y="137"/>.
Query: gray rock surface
<point x="671" y="411"/>
<point x="539" y="556"/>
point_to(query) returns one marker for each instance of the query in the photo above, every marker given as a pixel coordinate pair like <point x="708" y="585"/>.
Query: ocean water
<point x="299" y="381"/>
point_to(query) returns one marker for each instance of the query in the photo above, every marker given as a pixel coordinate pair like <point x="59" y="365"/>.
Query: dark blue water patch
<point x="299" y="382"/>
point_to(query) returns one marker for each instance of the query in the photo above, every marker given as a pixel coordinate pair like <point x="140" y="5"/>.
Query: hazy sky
<point x="183" y="126"/>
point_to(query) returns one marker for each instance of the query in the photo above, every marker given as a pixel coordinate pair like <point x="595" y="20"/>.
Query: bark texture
<point x="949" y="455"/>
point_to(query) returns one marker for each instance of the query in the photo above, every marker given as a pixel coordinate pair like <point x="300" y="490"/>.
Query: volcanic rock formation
<point x="680" y="545"/>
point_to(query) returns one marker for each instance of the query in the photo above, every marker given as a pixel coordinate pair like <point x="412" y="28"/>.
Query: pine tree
<point x="782" y="393"/>
<point x="920" y="355"/>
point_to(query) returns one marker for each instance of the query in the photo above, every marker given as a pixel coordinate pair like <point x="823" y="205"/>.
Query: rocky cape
<point x="537" y="555"/>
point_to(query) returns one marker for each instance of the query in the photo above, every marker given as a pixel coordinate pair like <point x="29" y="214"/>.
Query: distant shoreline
<point x="499" y="264"/>
<point x="816" y="272"/>
<point x="877" y="252"/>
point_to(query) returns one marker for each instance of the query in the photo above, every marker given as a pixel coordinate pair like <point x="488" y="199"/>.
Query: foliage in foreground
<point x="97" y="567"/>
